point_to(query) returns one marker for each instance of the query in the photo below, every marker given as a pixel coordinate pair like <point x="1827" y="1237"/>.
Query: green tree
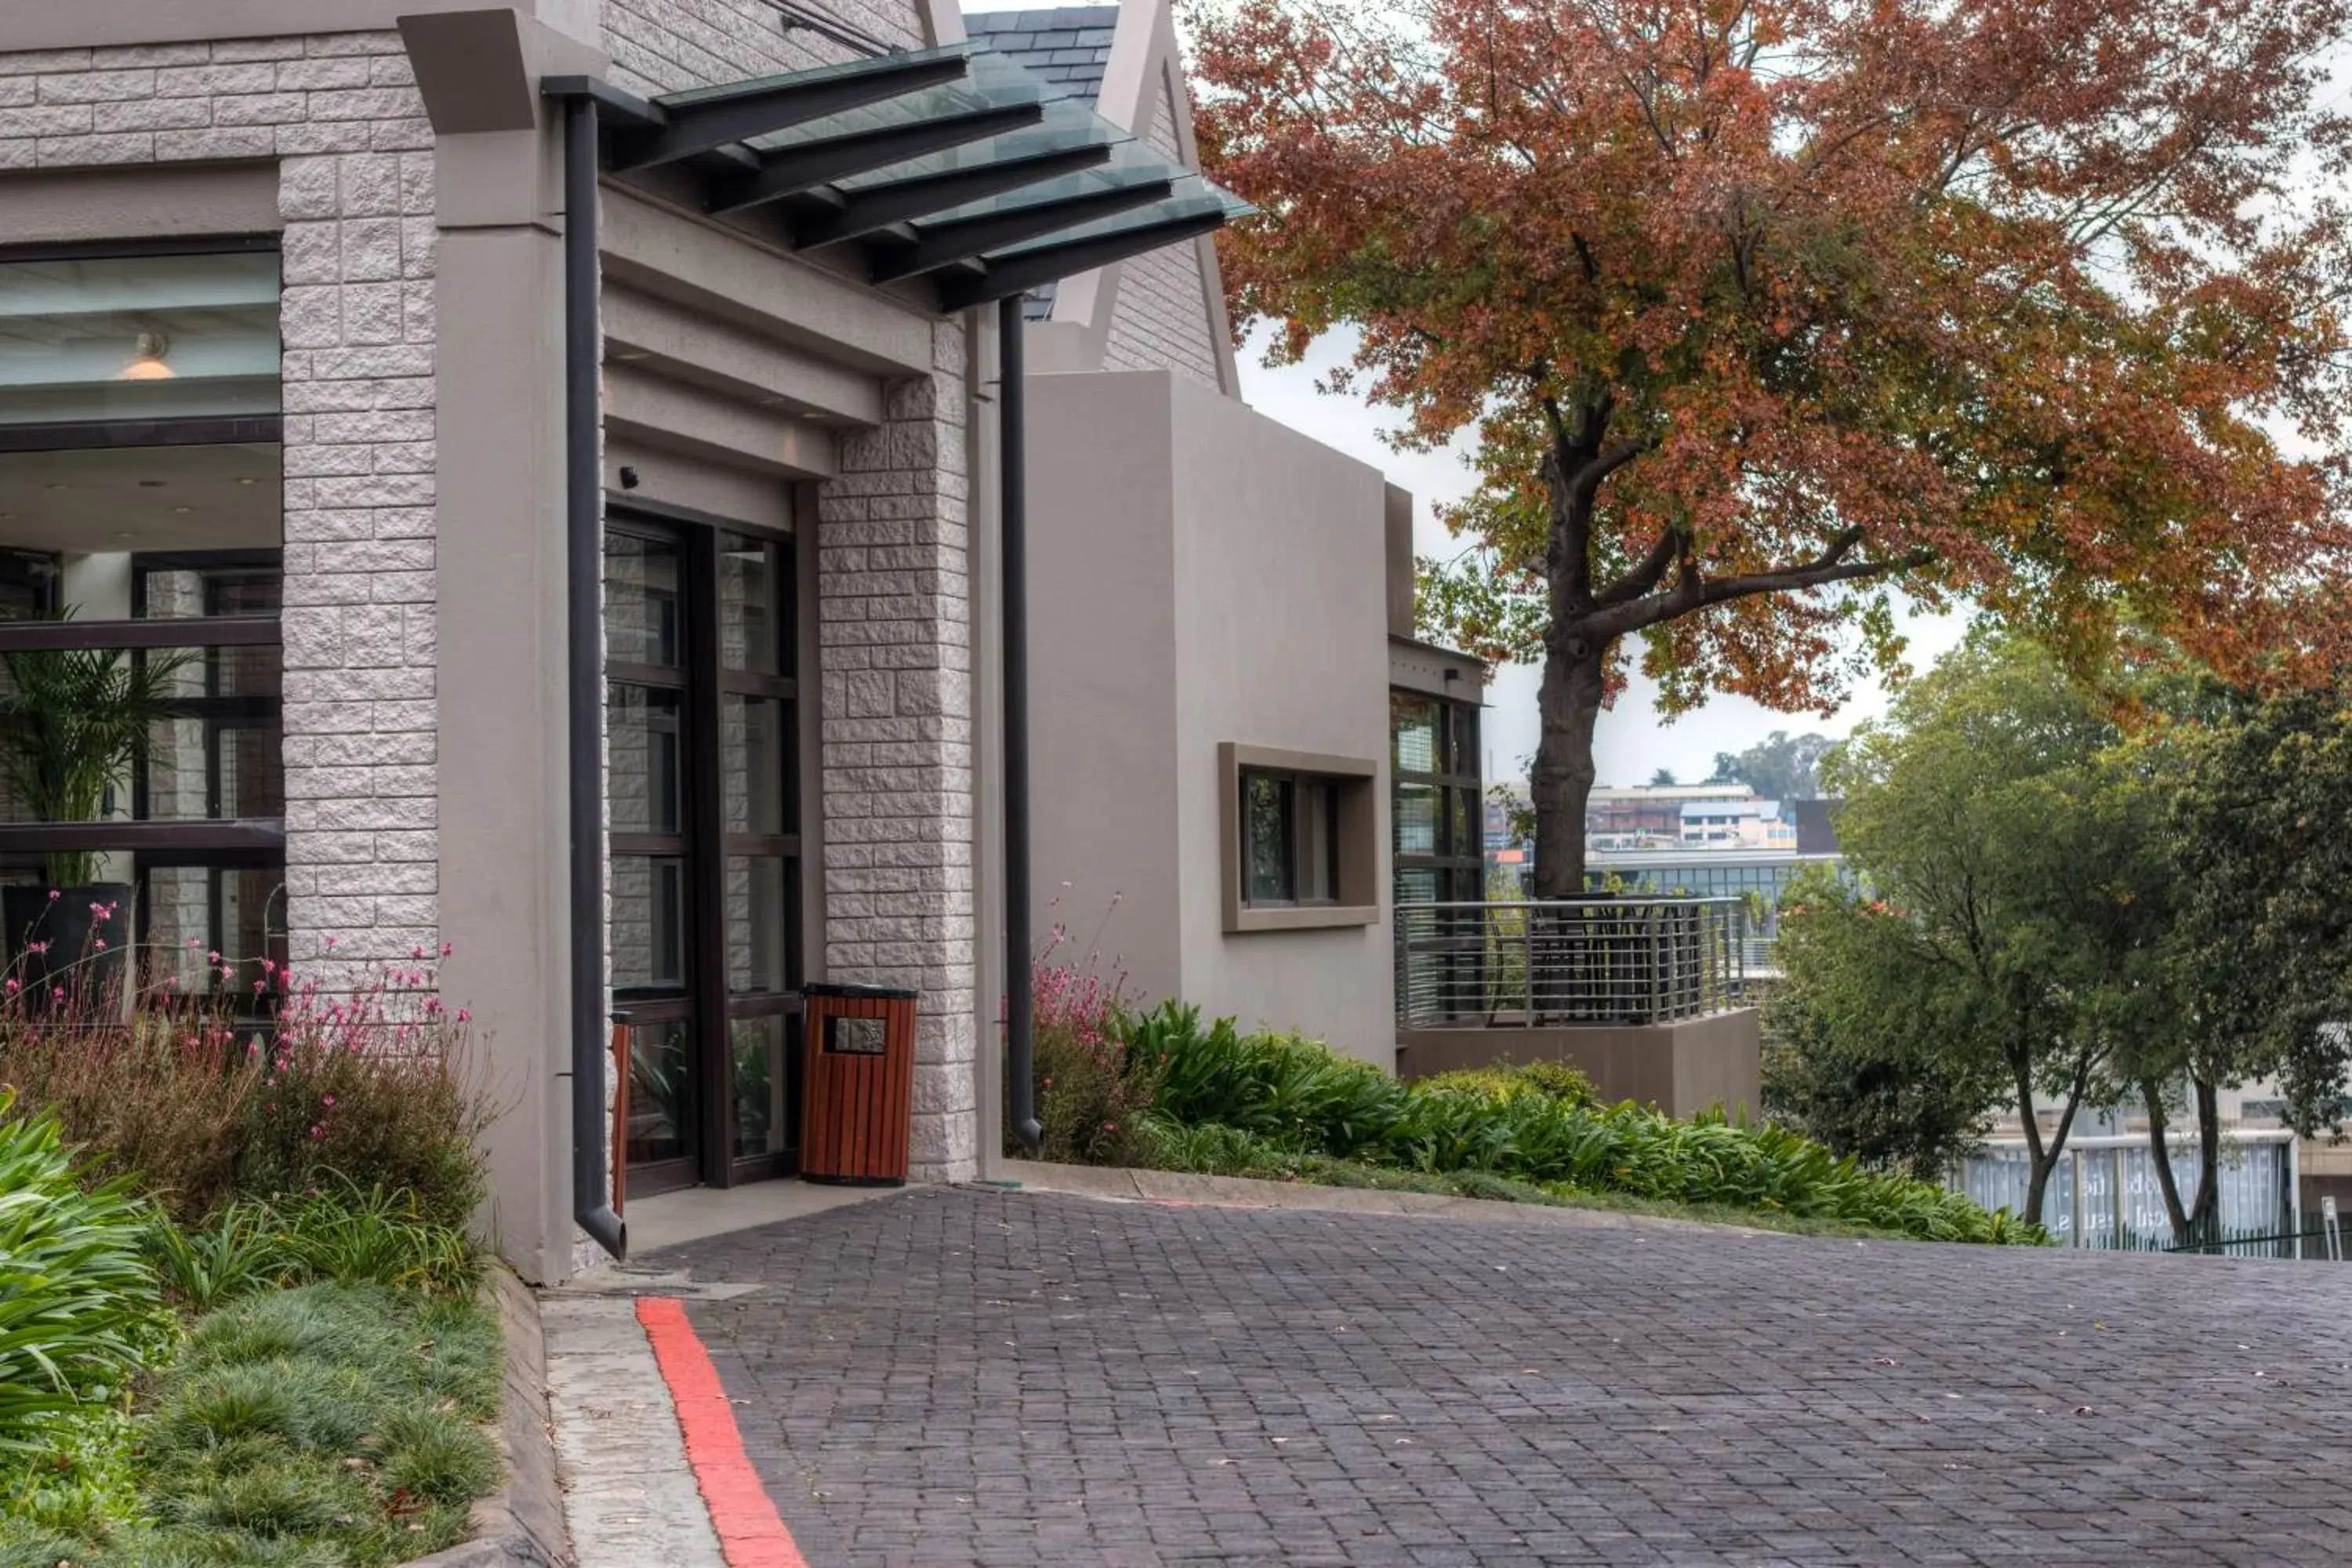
<point x="2261" y="938"/>
<point x="1664" y="779"/>
<point x="1966" y="815"/>
<point x="1849" y="1058"/>
<point x="1781" y="767"/>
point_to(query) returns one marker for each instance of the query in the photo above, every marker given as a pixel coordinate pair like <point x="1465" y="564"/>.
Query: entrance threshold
<point x="692" y="1213"/>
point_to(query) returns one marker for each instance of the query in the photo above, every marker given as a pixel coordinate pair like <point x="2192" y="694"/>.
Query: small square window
<point x="1302" y="844"/>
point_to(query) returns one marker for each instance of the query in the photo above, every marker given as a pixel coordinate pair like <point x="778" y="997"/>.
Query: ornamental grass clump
<point x="179" y="1087"/>
<point x="1093" y="1088"/>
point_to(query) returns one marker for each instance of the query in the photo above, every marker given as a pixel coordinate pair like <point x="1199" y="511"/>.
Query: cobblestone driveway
<point x="964" y="1377"/>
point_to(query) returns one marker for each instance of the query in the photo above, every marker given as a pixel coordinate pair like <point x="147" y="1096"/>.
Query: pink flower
<point x="333" y="941"/>
<point x="327" y="1100"/>
<point x="14" y="985"/>
<point x="464" y="1014"/>
<point x="447" y="948"/>
<point x="55" y="894"/>
<point x="58" y="993"/>
<point x="317" y="1130"/>
<point x="98" y="942"/>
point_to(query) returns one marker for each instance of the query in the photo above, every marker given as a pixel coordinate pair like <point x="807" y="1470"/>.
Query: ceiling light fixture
<point x="150" y="348"/>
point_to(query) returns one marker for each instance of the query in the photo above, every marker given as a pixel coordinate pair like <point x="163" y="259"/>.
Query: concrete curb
<point x="521" y="1524"/>
<point x="1124" y="1185"/>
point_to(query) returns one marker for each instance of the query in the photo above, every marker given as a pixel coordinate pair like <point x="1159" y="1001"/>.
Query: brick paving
<point x="968" y="1377"/>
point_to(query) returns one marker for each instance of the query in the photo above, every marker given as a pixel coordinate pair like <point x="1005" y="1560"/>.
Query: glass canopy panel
<point x="1067" y="126"/>
<point x="1131" y="163"/>
<point x="1194" y="198"/>
<point x="845" y="71"/>
<point x="992" y="82"/>
<point x="141" y="337"/>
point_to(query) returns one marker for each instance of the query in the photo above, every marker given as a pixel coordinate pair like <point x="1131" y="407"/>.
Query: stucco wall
<point x="1102" y="676"/>
<point x="1281" y="632"/>
<point x="1202" y="575"/>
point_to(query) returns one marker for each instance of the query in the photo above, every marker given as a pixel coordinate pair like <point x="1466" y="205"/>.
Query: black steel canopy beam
<point x="1019" y="274"/>
<point x="772" y="104"/>
<point x="615" y="108"/>
<point x="861" y="212"/>
<point x="943" y="244"/>
<point x="787" y="172"/>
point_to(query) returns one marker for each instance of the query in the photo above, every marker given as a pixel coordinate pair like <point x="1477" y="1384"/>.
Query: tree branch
<point x="1694" y="592"/>
<point x="1648" y="572"/>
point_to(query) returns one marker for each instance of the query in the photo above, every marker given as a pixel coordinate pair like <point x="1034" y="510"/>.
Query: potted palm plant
<point x="72" y="723"/>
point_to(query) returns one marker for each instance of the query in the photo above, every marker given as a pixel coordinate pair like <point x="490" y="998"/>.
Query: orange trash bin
<point x="857" y="1084"/>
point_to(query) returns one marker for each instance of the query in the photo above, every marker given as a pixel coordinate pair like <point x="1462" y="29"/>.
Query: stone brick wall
<point x="895" y="595"/>
<point x="1161" y="317"/>
<point x="341" y="114"/>
<point x="666" y="46"/>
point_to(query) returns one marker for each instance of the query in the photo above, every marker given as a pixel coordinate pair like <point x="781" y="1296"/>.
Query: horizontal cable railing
<point x="1569" y="961"/>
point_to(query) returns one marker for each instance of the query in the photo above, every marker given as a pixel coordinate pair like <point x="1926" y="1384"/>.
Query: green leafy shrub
<point x="207" y="1267"/>
<point x="80" y="1311"/>
<point x="1230" y="1103"/>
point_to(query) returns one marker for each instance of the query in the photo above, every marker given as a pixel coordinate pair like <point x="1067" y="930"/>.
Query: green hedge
<point x="1537" y="1126"/>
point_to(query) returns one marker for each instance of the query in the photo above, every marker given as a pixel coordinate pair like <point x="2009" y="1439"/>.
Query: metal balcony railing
<point x="1569" y="961"/>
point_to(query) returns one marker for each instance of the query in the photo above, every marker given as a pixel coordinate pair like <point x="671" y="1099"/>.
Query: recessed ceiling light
<point x="249" y="481"/>
<point x="125" y="533"/>
<point x="184" y="509"/>
<point x="57" y="484"/>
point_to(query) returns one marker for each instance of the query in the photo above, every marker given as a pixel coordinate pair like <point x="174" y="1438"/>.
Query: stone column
<point x="894" y="591"/>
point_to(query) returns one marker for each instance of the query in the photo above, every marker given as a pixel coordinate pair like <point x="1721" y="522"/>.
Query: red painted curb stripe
<point x="750" y="1534"/>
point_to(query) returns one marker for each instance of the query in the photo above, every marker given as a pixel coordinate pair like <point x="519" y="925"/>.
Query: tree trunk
<point x="1561" y="781"/>
<point x="2205" y="1215"/>
<point x="2152" y="1094"/>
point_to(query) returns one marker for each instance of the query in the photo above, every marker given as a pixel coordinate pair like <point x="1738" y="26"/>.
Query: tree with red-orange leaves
<point x="1764" y="311"/>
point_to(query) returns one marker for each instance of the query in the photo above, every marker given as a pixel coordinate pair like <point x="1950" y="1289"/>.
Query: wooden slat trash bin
<point x="857" y="1098"/>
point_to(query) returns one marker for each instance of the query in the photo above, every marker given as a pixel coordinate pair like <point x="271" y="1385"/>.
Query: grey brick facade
<point x="340" y="113"/>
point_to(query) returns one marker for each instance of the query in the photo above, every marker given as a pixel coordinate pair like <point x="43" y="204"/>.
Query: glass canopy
<point x="952" y="161"/>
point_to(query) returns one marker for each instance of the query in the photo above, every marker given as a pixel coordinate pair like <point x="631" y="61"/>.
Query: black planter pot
<point x="65" y="923"/>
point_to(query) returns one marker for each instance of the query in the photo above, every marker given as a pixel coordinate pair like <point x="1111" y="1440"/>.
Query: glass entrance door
<point x="700" y="724"/>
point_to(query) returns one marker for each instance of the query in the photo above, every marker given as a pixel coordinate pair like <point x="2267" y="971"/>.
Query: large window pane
<point x="760" y="1125"/>
<point x="661" y="1093"/>
<point x="757" y="903"/>
<point x="643" y="578"/>
<point x="1266" y="830"/>
<point x="649" y="923"/>
<point x="753" y="749"/>
<point x="1416" y="819"/>
<point x="641" y="724"/>
<point x="144" y="337"/>
<point x="752" y="635"/>
<point x="1413" y="733"/>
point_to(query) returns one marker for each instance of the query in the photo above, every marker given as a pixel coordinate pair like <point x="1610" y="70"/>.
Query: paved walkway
<point x="953" y="1377"/>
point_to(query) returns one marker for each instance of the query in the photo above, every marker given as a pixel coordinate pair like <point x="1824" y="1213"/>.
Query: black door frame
<point x="708" y="1005"/>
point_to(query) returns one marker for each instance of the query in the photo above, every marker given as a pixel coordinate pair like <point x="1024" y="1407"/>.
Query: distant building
<point x="1746" y="824"/>
<point x="1651" y="811"/>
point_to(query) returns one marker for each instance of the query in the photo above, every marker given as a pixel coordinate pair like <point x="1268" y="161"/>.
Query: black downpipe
<point x="1019" y="996"/>
<point x="591" y="1196"/>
